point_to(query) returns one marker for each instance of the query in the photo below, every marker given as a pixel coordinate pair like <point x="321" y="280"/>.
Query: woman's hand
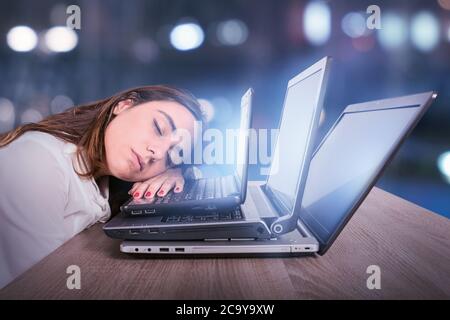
<point x="159" y="185"/>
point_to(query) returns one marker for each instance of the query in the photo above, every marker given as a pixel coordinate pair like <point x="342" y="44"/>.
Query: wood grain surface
<point x="411" y="246"/>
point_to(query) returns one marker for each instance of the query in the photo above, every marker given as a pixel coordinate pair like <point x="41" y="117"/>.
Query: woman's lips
<point x="138" y="160"/>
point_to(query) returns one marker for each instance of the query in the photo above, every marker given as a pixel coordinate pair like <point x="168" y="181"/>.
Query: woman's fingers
<point x="166" y="187"/>
<point x="140" y="190"/>
<point x="176" y="183"/>
<point x="179" y="185"/>
<point x="134" y="187"/>
<point x="159" y="185"/>
<point x="162" y="189"/>
<point x="153" y="188"/>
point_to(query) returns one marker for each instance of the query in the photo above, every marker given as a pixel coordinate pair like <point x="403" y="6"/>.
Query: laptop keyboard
<point x="228" y="215"/>
<point x="202" y="189"/>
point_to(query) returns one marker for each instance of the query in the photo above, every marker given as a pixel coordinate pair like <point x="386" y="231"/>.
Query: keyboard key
<point x="225" y="216"/>
<point x="200" y="190"/>
<point x="230" y="215"/>
<point x="209" y="189"/>
<point x="218" y="187"/>
<point x="177" y="197"/>
<point x="191" y="187"/>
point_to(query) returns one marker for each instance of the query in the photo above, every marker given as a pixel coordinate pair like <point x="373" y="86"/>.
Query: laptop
<point x="209" y="193"/>
<point x="343" y="169"/>
<point x="267" y="210"/>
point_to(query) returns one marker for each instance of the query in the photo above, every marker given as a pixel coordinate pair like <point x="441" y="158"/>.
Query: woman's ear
<point x="122" y="105"/>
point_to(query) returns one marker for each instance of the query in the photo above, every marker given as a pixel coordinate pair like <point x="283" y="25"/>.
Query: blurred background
<point x="217" y="49"/>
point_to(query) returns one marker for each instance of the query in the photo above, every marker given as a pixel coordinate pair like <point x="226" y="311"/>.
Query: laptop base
<point x="294" y="243"/>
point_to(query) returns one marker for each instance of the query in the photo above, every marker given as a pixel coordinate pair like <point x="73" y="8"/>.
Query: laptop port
<point x="136" y="249"/>
<point x="134" y="231"/>
<point x="149" y="211"/>
<point x="149" y="249"/>
<point x="135" y="212"/>
<point x="179" y="249"/>
<point x="164" y="249"/>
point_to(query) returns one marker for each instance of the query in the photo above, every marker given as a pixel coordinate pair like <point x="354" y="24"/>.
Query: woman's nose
<point x="159" y="151"/>
<point x="155" y="153"/>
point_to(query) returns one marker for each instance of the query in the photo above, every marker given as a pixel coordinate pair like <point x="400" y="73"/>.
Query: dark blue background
<point x="105" y="62"/>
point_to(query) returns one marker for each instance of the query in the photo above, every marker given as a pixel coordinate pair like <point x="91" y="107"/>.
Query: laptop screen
<point x="294" y="138"/>
<point x="243" y="137"/>
<point x="347" y="163"/>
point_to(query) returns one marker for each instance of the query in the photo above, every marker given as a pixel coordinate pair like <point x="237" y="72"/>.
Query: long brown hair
<point x="85" y="125"/>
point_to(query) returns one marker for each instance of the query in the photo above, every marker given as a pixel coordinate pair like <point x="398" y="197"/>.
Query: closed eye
<point x="158" y="128"/>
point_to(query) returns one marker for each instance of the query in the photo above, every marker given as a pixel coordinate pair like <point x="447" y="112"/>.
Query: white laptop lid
<point x="351" y="157"/>
<point x="243" y="142"/>
<point x="295" y="141"/>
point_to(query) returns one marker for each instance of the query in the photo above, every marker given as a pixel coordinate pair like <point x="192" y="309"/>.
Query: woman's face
<point x="138" y="139"/>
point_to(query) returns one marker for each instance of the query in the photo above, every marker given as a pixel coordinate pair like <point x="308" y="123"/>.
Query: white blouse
<point x="43" y="201"/>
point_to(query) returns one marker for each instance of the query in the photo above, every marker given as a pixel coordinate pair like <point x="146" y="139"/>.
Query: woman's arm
<point x="32" y="201"/>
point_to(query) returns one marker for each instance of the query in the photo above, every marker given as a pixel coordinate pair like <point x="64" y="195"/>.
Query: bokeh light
<point x="445" y="4"/>
<point x="394" y="31"/>
<point x="425" y="31"/>
<point x="21" y="39"/>
<point x="187" y="36"/>
<point x="145" y="50"/>
<point x="30" y="115"/>
<point x="61" y="39"/>
<point x="7" y="115"/>
<point x="60" y="103"/>
<point x="354" y="24"/>
<point x="232" y="32"/>
<point x="443" y="164"/>
<point x="363" y="44"/>
<point x="317" y="22"/>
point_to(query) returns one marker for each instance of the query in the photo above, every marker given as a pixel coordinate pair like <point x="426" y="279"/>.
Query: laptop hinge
<point x="284" y="223"/>
<point x="299" y="225"/>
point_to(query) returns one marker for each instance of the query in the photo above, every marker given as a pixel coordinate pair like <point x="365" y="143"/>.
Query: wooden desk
<point x="410" y="244"/>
